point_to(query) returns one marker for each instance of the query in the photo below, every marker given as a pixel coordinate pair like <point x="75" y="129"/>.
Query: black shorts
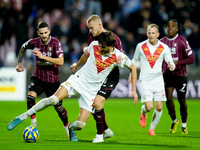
<point x="109" y="84"/>
<point x="39" y="86"/>
<point x="178" y="82"/>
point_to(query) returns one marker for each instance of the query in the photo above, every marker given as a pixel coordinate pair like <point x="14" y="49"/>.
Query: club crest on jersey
<point x="100" y="64"/>
<point x="175" y="44"/>
<point x="160" y="50"/>
<point x="49" y="48"/>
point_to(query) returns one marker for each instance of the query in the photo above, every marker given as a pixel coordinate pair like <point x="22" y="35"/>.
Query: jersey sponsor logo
<point x="44" y="63"/>
<point x="152" y="58"/>
<point x="67" y="83"/>
<point x="173" y="50"/>
<point x="100" y="64"/>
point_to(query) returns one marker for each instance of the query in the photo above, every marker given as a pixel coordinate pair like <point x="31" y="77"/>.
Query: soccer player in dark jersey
<point x="182" y="55"/>
<point x="95" y="26"/>
<point x="49" y="55"/>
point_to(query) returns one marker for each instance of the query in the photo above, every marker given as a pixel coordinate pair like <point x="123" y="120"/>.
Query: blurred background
<point x="67" y="21"/>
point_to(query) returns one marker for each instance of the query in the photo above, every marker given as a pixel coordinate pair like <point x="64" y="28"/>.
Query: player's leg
<point x="170" y="84"/>
<point x="62" y="112"/>
<point x="100" y="117"/>
<point x="181" y="94"/>
<point x="34" y="90"/>
<point x="156" y="117"/>
<point x="170" y="103"/>
<point x="183" y="112"/>
<point x="103" y="94"/>
<point x="42" y="104"/>
<point x="171" y="109"/>
<point x="30" y="104"/>
<point x="146" y="89"/>
<point x="147" y="107"/>
<point x="79" y="124"/>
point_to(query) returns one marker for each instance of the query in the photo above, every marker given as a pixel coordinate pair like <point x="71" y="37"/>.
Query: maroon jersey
<point x="118" y="43"/>
<point x="181" y="52"/>
<point x="45" y="70"/>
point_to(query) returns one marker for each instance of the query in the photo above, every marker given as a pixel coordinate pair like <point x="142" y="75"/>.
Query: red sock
<point x="33" y="116"/>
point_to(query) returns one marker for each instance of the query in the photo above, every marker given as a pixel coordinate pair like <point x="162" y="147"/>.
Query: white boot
<point x="107" y="134"/>
<point x="98" y="139"/>
<point x="67" y="131"/>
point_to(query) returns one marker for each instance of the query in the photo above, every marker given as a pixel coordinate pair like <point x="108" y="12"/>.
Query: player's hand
<point x="73" y="67"/>
<point x="134" y="94"/>
<point x="170" y="66"/>
<point x="37" y="53"/>
<point x="19" y="67"/>
<point x="119" y="59"/>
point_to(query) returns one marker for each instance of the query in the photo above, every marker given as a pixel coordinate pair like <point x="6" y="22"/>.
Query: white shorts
<point x="75" y="87"/>
<point x="152" y="91"/>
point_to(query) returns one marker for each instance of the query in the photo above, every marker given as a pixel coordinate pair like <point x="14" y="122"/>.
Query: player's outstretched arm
<point x="19" y="67"/>
<point x="81" y="61"/>
<point x="133" y="80"/>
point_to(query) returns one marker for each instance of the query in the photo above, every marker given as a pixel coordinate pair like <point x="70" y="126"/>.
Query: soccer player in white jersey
<point x="86" y="82"/>
<point x="151" y="54"/>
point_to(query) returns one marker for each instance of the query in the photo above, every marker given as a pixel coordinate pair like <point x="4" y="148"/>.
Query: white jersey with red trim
<point x="151" y="58"/>
<point x="98" y="67"/>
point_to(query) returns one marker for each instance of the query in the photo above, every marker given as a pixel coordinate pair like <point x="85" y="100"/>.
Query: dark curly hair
<point x="179" y="27"/>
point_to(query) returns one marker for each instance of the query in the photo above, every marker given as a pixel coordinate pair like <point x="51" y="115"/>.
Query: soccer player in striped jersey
<point x="95" y="27"/>
<point x="49" y="55"/>
<point x="151" y="54"/>
<point x="182" y="55"/>
<point x="85" y="84"/>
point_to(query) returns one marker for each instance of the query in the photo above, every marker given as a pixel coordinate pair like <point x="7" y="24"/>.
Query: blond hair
<point x="152" y="25"/>
<point x="93" y="18"/>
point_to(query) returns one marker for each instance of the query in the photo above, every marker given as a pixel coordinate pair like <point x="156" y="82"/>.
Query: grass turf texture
<point x="122" y="117"/>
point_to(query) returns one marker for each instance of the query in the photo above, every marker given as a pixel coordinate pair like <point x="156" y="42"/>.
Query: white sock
<point x="23" y="116"/>
<point x="184" y="125"/>
<point x="77" y="125"/>
<point x="42" y="104"/>
<point x="155" y="118"/>
<point x="174" y="121"/>
<point x="144" y="111"/>
<point x="33" y="120"/>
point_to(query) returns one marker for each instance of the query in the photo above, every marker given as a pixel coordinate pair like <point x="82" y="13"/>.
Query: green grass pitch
<point x="122" y="117"/>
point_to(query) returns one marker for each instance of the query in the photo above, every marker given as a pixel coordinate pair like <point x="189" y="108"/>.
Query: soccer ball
<point x="30" y="134"/>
